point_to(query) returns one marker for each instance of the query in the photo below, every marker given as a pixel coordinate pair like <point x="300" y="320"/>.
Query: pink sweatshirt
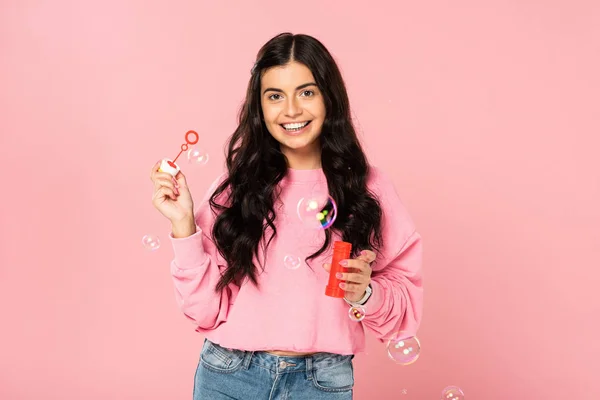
<point x="291" y="312"/>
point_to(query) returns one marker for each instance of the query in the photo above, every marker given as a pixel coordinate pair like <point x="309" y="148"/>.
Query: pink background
<point x="485" y="114"/>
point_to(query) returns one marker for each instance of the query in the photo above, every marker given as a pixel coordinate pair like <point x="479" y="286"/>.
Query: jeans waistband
<point x="284" y="364"/>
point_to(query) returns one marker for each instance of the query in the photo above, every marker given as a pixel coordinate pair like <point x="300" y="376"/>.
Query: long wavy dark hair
<point x="255" y="166"/>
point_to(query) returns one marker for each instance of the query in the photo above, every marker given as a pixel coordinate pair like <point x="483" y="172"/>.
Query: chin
<point x="299" y="145"/>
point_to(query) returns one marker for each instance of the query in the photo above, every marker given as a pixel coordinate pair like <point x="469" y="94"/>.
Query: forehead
<point x="287" y="77"/>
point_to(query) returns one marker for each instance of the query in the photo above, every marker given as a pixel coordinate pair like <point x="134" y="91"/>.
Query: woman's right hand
<point x="172" y="196"/>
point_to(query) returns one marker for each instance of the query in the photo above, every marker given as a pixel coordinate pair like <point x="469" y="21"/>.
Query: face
<point x="293" y="108"/>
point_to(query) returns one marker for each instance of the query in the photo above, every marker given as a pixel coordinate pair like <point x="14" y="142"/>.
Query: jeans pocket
<point x="338" y="377"/>
<point x="220" y="359"/>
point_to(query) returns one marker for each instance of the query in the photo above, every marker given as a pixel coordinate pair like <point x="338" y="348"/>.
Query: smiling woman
<point x="271" y="332"/>
<point x="293" y="112"/>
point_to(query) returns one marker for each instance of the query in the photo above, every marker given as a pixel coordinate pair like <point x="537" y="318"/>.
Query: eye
<point x="308" y="93"/>
<point x="272" y="97"/>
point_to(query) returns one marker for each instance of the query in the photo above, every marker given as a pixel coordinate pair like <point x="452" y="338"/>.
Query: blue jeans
<point x="256" y="375"/>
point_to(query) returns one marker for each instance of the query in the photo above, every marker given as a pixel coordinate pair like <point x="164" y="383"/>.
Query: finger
<point x="362" y="257"/>
<point x="156" y="170"/>
<point x="168" y="182"/>
<point x="353" y="287"/>
<point x="161" y="175"/>
<point x="353" y="277"/>
<point x="164" y="192"/>
<point x="360" y="266"/>
<point x="155" y="167"/>
<point x="367" y="256"/>
<point x="180" y="179"/>
<point x="327" y="267"/>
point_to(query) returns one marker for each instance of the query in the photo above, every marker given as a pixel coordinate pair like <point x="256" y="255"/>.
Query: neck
<point x="302" y="159"/>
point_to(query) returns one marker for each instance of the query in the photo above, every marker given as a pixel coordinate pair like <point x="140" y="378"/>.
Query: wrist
<point x="363" y="299"/>
<point x="355" y="297"/>
<point x="184" y="227"/>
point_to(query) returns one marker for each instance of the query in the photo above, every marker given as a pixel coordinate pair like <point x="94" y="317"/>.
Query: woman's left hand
<point x="358" y="276"/>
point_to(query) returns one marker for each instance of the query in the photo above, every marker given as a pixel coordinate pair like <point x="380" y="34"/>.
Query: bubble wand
<point x="169" y="166"/>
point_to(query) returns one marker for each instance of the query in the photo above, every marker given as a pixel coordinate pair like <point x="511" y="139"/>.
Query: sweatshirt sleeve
<point x="196" y="269"/>
<point x="397" y="300"/>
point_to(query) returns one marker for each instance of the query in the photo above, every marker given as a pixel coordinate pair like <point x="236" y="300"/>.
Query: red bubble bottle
<point x="341" y="251"/>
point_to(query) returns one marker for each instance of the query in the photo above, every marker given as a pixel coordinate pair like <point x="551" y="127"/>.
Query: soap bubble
<point x="317" y="211"/>
<point x="404" y="349"/>
<point x="357" y="313"/>
<point x="196" y="155"/>
<point x="453" y="393"/>
<point x="151" y="242"/>
<point x="291" y="261"/>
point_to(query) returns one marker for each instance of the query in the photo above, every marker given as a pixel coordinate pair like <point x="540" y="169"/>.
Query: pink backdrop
<point x="485" y="113"/>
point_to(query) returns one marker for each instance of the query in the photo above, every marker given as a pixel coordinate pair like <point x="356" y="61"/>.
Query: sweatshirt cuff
<point x="375" y="302"/>
<point x="189" y="251"/>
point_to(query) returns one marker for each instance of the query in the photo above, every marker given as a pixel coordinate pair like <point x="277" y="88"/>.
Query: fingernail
<point x="343" y="285"/>
<point x="339" y="275"/>
<point x="364" y="252"/>
<point x="344" y="262"/>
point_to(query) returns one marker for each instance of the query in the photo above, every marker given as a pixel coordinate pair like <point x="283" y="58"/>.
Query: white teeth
<point x="295" y="125"/>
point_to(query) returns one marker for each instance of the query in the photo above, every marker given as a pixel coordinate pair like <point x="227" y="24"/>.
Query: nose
<point x="292" y="108"/>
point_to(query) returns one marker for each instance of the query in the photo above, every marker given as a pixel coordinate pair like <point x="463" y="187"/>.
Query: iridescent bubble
<point x="453" y="393"/>
<point x="151" y="242"/>
<point x="404" y="349"/>
<point x="291" y="261"/>
<point x="357" y="313"/>
<point x="317" y="211"/>
<point x="196" y="155"/>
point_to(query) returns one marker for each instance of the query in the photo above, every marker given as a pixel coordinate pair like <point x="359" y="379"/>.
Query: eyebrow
<point x="298" y="88"/>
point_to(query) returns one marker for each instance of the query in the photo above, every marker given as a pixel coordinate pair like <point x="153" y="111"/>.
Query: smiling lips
<point x="296" y="127"/>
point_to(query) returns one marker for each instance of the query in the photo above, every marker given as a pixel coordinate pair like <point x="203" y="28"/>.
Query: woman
<point x="271" y="332"/>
